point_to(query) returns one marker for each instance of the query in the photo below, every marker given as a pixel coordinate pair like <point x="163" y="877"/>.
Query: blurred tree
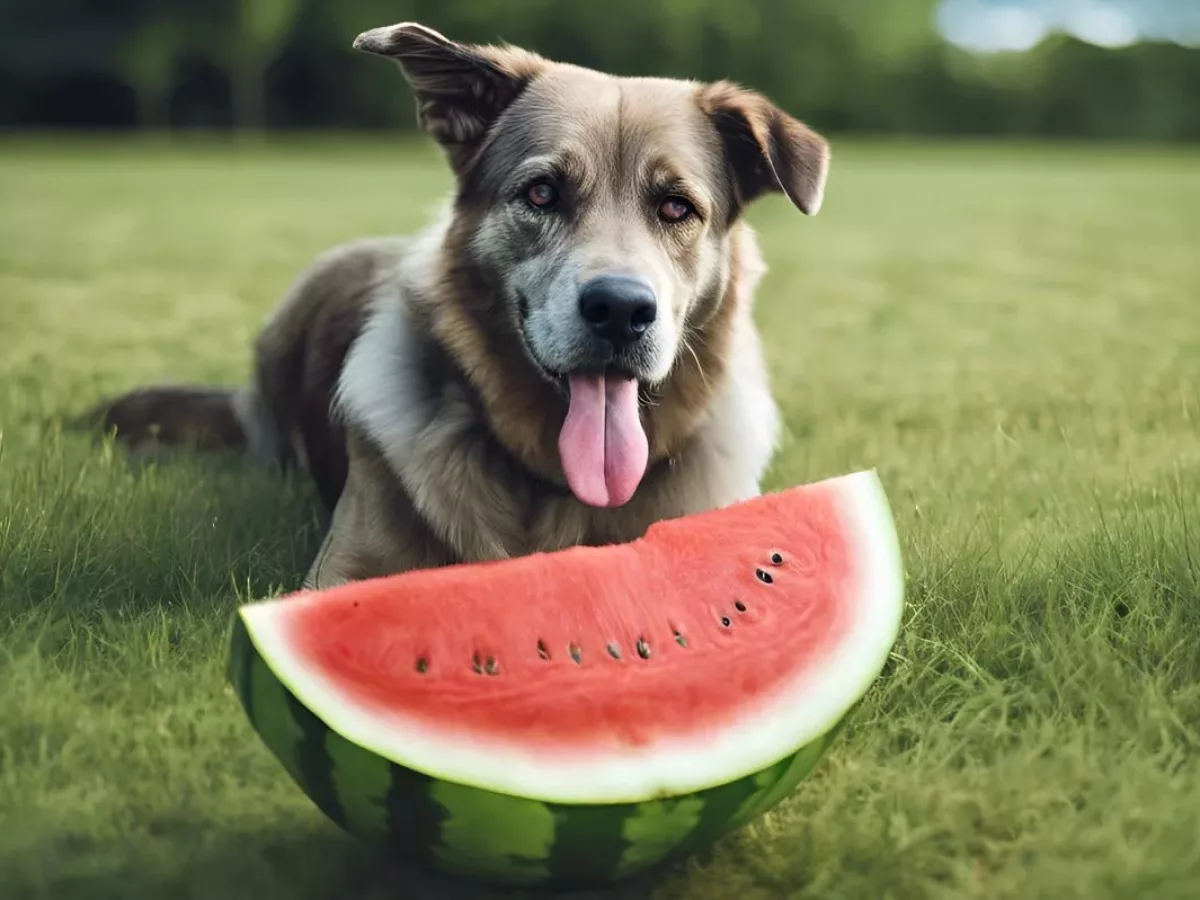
<point x="247" y="49"/>
<point x="146" y="60"/>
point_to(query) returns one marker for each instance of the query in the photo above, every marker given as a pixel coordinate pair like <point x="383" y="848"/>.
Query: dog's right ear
<point x="461" y="89"/>
<point x="769" y="151"/>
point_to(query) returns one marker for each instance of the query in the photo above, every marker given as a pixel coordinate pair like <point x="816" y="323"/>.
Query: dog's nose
<point x="619" y="308"/>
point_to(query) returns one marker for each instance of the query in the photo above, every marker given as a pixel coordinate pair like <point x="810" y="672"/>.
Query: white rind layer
<point x="791" y="718"/>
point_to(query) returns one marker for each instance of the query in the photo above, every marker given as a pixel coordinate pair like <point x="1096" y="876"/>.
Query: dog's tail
<point x="186" y="417"/>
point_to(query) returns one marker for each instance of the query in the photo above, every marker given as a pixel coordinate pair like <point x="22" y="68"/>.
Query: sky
<point x="990" y="26"/>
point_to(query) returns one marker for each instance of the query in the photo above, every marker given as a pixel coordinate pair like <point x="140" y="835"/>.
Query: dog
<point x="564" y="356"/>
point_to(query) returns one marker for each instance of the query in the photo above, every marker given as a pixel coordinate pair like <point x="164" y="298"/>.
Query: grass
<point x="1010" y="334"/>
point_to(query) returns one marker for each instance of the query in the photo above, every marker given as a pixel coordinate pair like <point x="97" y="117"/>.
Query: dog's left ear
<point x="461" y="89"/>
<point x="768" y="150"/>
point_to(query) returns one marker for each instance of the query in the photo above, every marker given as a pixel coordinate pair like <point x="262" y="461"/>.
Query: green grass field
<point x="1010" y="334"/>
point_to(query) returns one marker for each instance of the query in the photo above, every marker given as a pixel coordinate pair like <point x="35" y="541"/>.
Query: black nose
<point x="619" y="308"/>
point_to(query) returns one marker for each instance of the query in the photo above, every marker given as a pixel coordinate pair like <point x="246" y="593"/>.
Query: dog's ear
<point x="768" y="150"/>
<point x="461" y="89"/>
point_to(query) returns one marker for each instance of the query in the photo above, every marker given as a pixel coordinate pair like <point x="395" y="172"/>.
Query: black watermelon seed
<point x="764" y="576"/>
<point x="643" y="649"/>
<point x="777" y="558"/>
<point x="422" y="665"/>
<point x="491" y="667"/>
<point x="542" y="651"/>
<point x="613" y="650"/>
<point x="576" y="653"/>
<point x="740" y="606"/>
<point x="476" y="664"/>
<point x="680" y="639"/>
<point x="725" y="621"/>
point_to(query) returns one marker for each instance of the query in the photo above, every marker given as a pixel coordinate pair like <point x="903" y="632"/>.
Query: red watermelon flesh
<point x="717" y="642"/>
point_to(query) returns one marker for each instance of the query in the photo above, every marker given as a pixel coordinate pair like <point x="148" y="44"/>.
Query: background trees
<point x="846" y="65"/>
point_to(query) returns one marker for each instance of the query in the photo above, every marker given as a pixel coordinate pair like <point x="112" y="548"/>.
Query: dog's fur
<point x="419" y="381"/>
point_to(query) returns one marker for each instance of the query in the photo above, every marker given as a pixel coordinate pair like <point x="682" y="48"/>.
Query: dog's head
<point x="597" y="215"/>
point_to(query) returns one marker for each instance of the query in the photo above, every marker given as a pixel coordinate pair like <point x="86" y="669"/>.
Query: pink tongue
<point x="602" y="444"/>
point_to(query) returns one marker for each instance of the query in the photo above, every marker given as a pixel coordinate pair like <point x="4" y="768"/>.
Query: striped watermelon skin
<point x="449" y="826"/>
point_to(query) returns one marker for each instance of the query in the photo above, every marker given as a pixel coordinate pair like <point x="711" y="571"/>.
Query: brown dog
<point x="566" y="356"/>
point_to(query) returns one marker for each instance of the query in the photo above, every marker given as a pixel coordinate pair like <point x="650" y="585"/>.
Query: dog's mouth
<point x="602" y="446"/>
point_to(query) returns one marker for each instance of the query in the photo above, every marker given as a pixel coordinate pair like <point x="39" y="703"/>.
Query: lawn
<point x="1011" y="334"/>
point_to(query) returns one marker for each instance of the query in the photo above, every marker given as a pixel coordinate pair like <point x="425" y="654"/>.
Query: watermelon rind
<point x="488" y="836"/>
<point x="666" y="768"/>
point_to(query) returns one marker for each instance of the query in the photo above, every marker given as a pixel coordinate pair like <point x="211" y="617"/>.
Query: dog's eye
<point x="675" y="209"/>
<point x="541" y="195"/>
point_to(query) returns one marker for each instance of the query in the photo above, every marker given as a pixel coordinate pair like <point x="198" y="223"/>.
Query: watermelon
<point x="578" y="717"/>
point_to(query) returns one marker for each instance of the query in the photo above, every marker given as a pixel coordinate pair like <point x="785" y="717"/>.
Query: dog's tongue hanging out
<point x="602" y="444"/>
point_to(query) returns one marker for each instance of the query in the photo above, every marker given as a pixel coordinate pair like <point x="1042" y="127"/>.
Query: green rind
<point x="275" y="720"/>
<point x="413" y="814"/>
<point x="362" y="783"/>
<point x="657" y="829"/>
<point x="241" y="664"/>
<point x="316" y="765"/>
<point x="471" y="843"/>
<point x="588" y="844"/>
<point x="452" y="827"/>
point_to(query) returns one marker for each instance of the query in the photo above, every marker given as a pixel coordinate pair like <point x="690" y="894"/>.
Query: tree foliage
<point x="847" y="65"/>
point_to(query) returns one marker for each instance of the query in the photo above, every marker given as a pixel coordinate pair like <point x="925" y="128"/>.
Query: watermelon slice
<point x="577" y="717"/>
